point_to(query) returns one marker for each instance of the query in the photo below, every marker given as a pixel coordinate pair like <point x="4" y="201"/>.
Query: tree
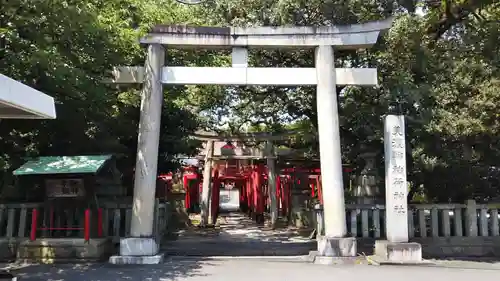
<point x="440" y="69"/>
<point x="66" y="49"/>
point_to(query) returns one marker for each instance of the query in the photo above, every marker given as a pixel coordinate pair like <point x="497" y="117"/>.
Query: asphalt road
<point x="203" y="269"/>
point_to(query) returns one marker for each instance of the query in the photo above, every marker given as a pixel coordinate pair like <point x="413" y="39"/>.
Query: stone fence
<point x="444" y="230"/>
<point x="428" y="220"/>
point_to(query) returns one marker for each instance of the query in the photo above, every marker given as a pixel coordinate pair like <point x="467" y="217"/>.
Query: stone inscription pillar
<point x="396" y="248"/>
<point x="396" y="188"/>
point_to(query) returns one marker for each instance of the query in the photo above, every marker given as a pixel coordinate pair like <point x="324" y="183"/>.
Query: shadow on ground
<point x="169" y="270"/>
<point x="238" y="235"/>
<point x="492" y="260"/>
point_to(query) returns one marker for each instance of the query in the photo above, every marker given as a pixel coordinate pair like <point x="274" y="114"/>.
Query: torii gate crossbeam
<point x="142" y="247"/>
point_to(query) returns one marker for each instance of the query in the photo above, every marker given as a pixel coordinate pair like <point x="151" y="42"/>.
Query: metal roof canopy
<point x="88" y="164"/>
<point x="18" y="101"/>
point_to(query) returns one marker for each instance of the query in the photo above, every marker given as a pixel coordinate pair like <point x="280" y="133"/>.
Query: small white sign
<point x="229" y="200"/>
<point x="396" y="188"/>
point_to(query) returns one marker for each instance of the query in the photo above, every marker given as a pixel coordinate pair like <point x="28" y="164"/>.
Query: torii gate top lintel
<point x="353" y="36"/>
<point x="256" y="136"/>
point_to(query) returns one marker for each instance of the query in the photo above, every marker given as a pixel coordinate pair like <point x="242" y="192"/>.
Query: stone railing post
<point x="470" y="218"/>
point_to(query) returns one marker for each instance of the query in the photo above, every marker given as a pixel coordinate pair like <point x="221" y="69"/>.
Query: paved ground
<point x="247" y="270"/>
<point x="238" y="235"/>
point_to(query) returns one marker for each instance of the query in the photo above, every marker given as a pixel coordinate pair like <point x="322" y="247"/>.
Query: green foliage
<point x="66" y="49"/>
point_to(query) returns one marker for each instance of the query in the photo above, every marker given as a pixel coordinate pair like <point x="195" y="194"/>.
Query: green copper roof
<point x="63" y="165"/>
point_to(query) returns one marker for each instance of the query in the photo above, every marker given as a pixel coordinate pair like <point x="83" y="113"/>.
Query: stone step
<point x="217" y="248"/>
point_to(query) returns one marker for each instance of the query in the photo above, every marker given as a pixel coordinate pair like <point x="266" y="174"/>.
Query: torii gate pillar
<point x="142" y="247"/>
<point x="334" y="243"/>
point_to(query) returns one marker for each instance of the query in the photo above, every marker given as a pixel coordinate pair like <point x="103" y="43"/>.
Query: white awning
<point x="22" y="102"/>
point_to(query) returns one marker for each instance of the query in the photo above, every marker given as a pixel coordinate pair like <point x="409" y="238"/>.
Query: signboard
<point x="228" y="149"/>
<point x="229" y="199"/>
<point x="396" y="188"/>
<point x="64" y="187"/>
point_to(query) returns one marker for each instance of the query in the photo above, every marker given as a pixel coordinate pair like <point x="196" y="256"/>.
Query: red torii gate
<point x="252" y="183"/>
<point x="252" y="180"/>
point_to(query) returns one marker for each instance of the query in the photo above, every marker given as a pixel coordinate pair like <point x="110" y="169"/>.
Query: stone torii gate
<point x="141" y="247"/>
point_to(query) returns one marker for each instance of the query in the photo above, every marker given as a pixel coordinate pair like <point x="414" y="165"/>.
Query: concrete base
<point x="336" y="247"/>
<point x="136" y="250"/>
<point x="156" y="259"/>
<point x="400" y="253"/>
<point x="138" y="247"/>
<point x="51" y="250"/>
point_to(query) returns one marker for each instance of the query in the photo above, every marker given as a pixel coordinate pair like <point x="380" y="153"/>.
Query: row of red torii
<point x="262" y="186"/>
<point x="252" y="181"/>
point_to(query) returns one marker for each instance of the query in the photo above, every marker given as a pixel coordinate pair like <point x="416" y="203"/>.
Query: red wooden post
<point x="187" y="199"/>
<point x="313" y="187"/>
<point x="246" y="183"/>
<point x="278" y="192"/>
<point x="320" y="189"/>
<point x="286" y="195"/>
<point x="241" y="186"/>
<point x="34" y="221"/>
<point x="99" y="223"/>
<point x="195" y="195"/>
<point x="250" y="193"/>
<point x="255" y="193"/>
<point x="215" y="196"/>
<point x="86" y="226"/>
<point x="259" y="190"/>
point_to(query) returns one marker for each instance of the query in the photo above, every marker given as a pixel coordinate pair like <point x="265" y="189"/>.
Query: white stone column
<point x="271" y="182"/>
<point x="329" y="144"/>
<point x="142" y="247"/>
<point x="396" y="248"/>
<point x="396" y="188"/>
<point x="206" y="187"/>
<point x="333" y="243"/>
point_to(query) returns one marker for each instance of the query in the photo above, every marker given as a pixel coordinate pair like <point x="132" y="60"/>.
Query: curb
<point x="303" y="258"/>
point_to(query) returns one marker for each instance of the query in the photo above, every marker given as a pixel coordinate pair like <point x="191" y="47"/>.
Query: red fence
<point x="86" y="226"/>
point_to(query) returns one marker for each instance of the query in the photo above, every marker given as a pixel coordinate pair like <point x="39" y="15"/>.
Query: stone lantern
<point x="367" y="183"/>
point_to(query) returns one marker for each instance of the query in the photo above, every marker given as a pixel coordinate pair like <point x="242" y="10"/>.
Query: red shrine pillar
<point x="215" y="196"/>
<point x="195" y="195"/>
<point x="259" y="196"/>
<point x="250" y="199"/>
<point x="286" y="195"/>
<point x="278" y="193"/>
<point x="312" y="185"/>
<point x="187" y="190"/>
<point x="243" y="194"/>
<point x="320" y="189"/>
<point x="254" y="191"/>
